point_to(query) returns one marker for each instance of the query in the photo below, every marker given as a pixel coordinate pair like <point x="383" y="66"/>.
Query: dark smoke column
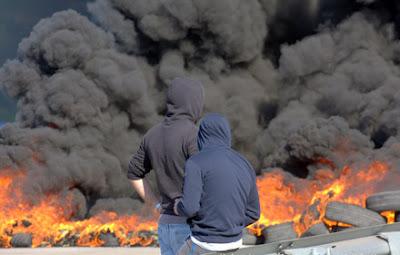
<point x="82" y="106"/>
<point x="87" y="92"/>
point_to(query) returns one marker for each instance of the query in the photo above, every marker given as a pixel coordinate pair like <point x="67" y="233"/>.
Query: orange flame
<point x="50" y="224"/>
<point x="283" y="198"/>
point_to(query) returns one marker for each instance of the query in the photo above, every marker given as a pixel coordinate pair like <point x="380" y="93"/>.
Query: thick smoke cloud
<point x="349" y="72"/>
<point x="366" y="1"/>
<point x="87" y="91"/>
<point x="82" y="108"/>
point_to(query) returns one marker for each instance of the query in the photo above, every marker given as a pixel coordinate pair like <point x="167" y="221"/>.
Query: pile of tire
<point x="358" y="216"/>
<point x="270" y="234"/>
<point x="349" y="214"/>
<point x="385" y="201"/>
<point x="353" y="215"/>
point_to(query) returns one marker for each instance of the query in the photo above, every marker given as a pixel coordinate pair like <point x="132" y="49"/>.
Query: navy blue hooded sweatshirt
<point x="220" y="196"/>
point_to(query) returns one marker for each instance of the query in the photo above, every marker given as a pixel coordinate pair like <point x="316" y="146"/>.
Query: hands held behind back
<point x="176" y="202"/>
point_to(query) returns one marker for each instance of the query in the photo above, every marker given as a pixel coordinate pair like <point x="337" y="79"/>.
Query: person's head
<point x="185" y="99"/>
<point x="214" y="131"/>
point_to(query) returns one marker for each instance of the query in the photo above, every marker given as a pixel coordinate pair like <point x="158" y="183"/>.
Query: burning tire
<point x="353" y="215"/>
<point x="315" y="230"/>
<point x="109" y="240"/>
<point x="248" y="238"/>
<point x="78" y="204"/>
<point x="280" y="232"/>
<point x="384" y="201"/>
<point x="21" y="240"/>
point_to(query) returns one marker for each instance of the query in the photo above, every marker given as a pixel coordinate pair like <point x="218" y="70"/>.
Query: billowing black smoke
<point x="320" y="83"/>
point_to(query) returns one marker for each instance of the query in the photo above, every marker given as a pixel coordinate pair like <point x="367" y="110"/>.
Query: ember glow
<point x="50" y="222"/>
<point x="303" y="201"/>
<point x="283" y="198"/>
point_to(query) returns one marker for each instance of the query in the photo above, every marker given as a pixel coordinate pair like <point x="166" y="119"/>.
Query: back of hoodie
<point x="167" y="146"/>
<point x="220" y="194"/>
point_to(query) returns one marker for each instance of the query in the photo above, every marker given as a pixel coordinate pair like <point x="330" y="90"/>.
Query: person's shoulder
<point x="152" y="131"/>
<point x="190" y="125"/>
<point x="196" y="157"/>
<point x="187" y="129"/>
<point x="244" y="160"/>
<point x="194" y="161"/>
<point x="199" y="157"/>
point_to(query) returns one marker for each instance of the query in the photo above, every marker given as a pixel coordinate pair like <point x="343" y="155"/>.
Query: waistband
<point x="171" y="219"/>
<point x="231" y="246"/>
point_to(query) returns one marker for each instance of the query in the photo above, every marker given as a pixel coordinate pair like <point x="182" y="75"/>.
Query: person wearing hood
<point x="165" y="149"/>
<point x="220" y="195"/>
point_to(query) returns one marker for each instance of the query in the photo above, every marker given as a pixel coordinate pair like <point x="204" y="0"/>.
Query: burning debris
<point x="332" y="215"/>
<point x="354" y="215"/>
<point x="324" y="107"/>
<point x="326" y="203"/>
<point x="290" y="208"/>
<point x="53" y="221"/>
<point x="21" y="240"/>
<point x="279" y="232"/>
<point x="316" y="229"/>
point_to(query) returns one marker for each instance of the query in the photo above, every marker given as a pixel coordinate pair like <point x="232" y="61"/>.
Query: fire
<point x="50" y="224"/>
<point x="283" y="199"/>
<point x="390" y="216"/>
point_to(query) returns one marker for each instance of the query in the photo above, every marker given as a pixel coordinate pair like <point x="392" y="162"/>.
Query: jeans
<point x="172" y="237"/>
<point x="189" y="248"/>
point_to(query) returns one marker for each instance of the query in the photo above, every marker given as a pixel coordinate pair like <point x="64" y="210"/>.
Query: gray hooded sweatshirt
<point x="166" y="147"/>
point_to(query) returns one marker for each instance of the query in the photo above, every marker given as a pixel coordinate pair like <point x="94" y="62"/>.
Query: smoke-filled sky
<point x="17" y="17"/>
<point x="299" y="80"/>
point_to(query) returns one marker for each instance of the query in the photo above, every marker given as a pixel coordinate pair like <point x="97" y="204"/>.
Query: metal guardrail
<point x="375" y="240"/>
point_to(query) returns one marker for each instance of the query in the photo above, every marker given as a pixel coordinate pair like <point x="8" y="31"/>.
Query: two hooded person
<point x="208" y="191"/>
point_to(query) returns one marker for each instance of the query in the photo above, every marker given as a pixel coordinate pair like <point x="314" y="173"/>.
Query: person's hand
<point x="176" y="202"/>
<point x="158" y="207"/>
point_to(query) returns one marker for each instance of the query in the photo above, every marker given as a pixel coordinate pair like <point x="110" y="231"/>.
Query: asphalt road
<point x="81" y="251"/>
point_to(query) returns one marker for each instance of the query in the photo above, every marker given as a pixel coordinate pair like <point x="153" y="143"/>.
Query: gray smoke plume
<point x="87" y="91"/>
<point x="82" y="108"/>
<point x="366" y="1"/>
<point x="349" y="72"/>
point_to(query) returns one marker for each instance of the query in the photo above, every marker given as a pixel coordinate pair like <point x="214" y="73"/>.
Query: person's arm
<point x="139" y="166"/>
<point x="191" y="146"/>
<point x="253" y="206"/>
<point x="143" y="188"/>
<point x="189" y="204"/>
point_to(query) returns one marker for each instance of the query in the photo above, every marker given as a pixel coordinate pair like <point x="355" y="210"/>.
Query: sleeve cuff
<point x="134" y="177"/>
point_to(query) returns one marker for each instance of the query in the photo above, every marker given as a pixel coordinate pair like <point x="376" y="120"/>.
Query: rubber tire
<point x="79" y="204"/>
<point x="109" y="240"/>
<point x="248" y="238"/>
<point x="21" y="240"/>
<point x="315" y="230"/>
<point x="280" y="232"/>
<point x="336" y="229"/>
<point x="352" y="214"/>
<point x="384" y="201"/>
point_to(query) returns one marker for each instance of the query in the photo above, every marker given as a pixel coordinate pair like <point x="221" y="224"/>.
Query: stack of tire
<point x="350" y="214"/>
<point x="274" y="233"/>
<point x="385" y="201"/>
<point x="353" y="215"/>
<point x="358" y="216"/>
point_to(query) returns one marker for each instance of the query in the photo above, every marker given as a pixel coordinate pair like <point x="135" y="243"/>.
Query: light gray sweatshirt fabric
<point x="166" y="147"/>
